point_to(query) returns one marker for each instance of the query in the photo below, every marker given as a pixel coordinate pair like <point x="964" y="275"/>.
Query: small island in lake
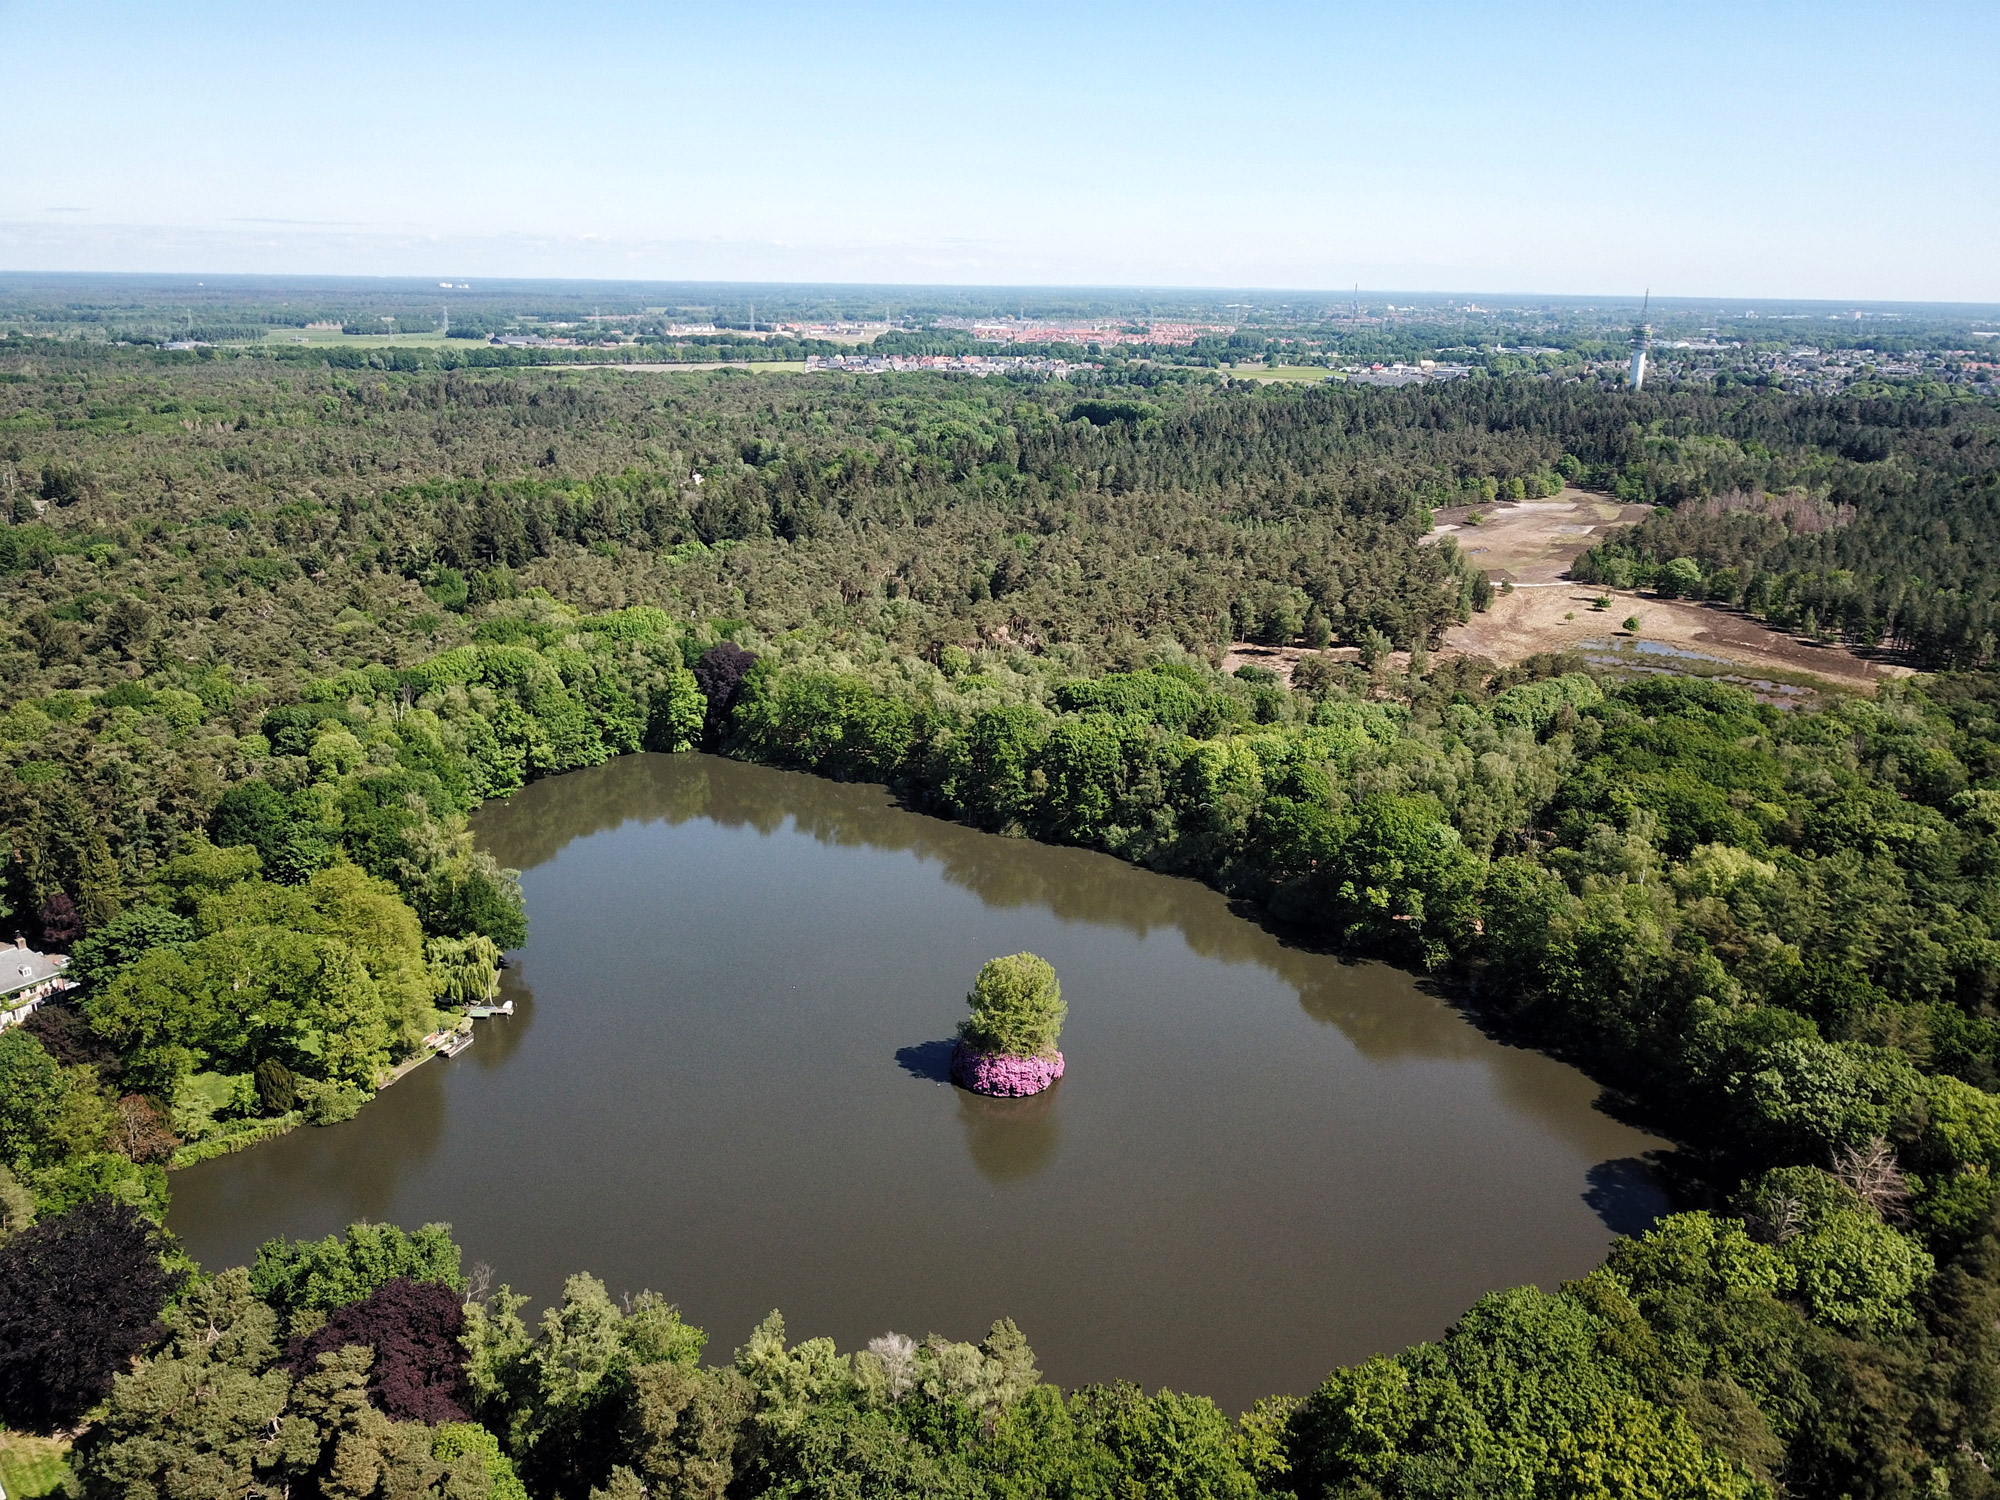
<point x="1007" y="1046"/>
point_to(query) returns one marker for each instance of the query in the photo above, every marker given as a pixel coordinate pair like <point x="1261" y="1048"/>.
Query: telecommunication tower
<point x="1642" y="340"/>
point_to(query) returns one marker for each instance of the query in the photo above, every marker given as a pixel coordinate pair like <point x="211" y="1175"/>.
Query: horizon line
<point x="1128" y="288"/>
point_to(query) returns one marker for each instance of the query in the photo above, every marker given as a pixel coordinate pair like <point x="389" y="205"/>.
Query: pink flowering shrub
<point x="1001" y="1074"/>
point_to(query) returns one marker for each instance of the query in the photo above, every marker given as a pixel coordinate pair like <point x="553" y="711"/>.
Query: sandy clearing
<point x="1280" y="659"/>
<point x="1531" y="544"/>
<point x="1532" y="541"/>
<point x="1560" y="618"/>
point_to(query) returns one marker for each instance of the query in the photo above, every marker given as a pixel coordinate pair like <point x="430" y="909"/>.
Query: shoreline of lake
<point x="724" y="1080"/>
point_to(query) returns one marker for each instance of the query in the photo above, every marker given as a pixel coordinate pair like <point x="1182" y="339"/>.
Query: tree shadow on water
<point x="1627" y="1194"/>
<point x="930" y="1061"/>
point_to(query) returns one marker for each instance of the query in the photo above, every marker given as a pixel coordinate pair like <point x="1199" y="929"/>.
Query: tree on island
<point x="1007" y="1046"/>
<point x="1017" y="1008"/>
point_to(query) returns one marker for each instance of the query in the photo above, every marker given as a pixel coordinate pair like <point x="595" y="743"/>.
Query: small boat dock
<point x="452" y="1040"/>
<point x="448" y="1043"/>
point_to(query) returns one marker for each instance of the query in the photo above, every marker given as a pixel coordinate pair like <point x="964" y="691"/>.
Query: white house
<point x="27" y="978"/>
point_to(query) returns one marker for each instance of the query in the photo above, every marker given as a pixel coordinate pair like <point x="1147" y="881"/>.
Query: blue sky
<point x="1848" y="151"/>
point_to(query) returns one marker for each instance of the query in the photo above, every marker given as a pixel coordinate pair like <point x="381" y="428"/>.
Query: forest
<point x="278" y="626"/>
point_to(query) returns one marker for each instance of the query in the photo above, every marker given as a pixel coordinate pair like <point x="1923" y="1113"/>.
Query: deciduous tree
<point x="79" y="1296"/>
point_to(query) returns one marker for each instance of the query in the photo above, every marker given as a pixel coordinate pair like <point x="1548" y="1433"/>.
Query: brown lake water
<point x="723" y="1081"/>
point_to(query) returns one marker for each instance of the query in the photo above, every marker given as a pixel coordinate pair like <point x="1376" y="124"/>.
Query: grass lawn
<point x="333" y="338"/>
<point x="31" y="1466"/>
<point x="646" y="367"/>
<point x="326" y="338"/>
<point x="1282" y="372"/>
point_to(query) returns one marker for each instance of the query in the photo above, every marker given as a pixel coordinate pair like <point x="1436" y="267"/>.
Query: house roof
<point x="23" y="968"/>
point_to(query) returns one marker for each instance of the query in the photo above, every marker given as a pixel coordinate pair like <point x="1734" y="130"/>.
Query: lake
<point x="724" y="1080"/>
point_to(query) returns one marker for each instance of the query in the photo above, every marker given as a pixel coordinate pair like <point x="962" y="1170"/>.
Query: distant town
<point x="1051" y="334"/>
<point x="963" y="364"/>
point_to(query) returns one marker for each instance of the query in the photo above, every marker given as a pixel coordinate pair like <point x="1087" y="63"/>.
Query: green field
<point x="329" y="338"/>
<point x="325" y="338"/>
<point x="31" y="1466"/>
<point x="670" y="367"/>
<point x="1306" y="373"/>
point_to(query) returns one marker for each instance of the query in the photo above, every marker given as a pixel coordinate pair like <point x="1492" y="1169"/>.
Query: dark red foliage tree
<point x="67" y="1035"/>
<point x="413" y="1327"/>
<point x="719" y="674"/>
<point x="61" y="924"/>
<point x="79" y="1296"/>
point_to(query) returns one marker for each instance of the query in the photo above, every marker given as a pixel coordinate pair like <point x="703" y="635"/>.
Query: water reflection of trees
<point x="1011" y="1139"/>
<point x="533" y="826"/>
<point x="499" y="1038"/>
<point x="1628" y="1194"/>
<point x="335" y="1174"/>
<point x="1376" y="1007"/>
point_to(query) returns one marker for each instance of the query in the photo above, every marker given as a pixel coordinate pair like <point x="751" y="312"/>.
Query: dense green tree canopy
<point x="279" y="626"/>
<point x="1017" y="1008"/>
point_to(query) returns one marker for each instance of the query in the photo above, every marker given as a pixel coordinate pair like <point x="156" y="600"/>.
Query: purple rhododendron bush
<point x="1007" y="1046"/>
<point x="999" y="1074"/>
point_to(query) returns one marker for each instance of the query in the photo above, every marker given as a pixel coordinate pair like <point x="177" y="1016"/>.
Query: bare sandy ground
<point x="1532" y="541"/>
<point x="1530" y="545"/>
<point x="1560" y="618"/>
<point x="1280" y="659"/>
